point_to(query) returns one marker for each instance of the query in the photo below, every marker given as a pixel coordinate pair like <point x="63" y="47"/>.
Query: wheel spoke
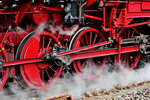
<point x="133" y="55"/>
<point x="132" y="33"/>
<point x="3" y="72"/>
<point x="52" y="69"/>
<point x="98" y="61"/>
<point x="125" y="60"/>
<point x="48" y="75"/>
<point x="128" y="33"/>
<point x="100" y="40"/>
<point x="37" y="75"/>
<point x="123" y="57"/>
<point x="82" y="42"/>
<point x="130" y="60"/>
<point x="95" y="38"/>
<point x="125" y="34"/>
<point x="49" y="43"/>
<point x="90" y="38"/>
<point x="42" y="74"/>
<point x="86" y="39"/>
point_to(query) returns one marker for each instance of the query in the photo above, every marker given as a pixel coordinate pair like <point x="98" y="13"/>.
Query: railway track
<point x="140" y="91"/>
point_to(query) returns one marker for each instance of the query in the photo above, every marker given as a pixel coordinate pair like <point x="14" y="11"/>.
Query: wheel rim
<point x="129" y="60"/>
<point x="3" y="72"/>
<point x="36" y="45"/>
<point x="92" y="67"/>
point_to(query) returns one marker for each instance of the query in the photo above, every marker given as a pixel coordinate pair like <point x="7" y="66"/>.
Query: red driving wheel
<point x="128" y="60"/>
<point x="37" y="75"/>
<point x="91" y="67"/>
<point x="3" y="72"/>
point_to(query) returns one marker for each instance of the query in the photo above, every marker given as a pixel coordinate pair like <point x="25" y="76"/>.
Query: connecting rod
<point x="66" y="57"/>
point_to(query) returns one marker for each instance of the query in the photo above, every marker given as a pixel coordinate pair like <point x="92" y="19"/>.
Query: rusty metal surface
<point x="61" y="97"/>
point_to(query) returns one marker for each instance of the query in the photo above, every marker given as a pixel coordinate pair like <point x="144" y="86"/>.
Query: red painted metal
<point x="130" y="60"/>
<point x="14" y="37"/>
<point x="88" y="37"/>
<point x="109" y="17"/>
<point x="119" y="52"/>
<point x="38" y="18"/>
<point x="145" y="5"/>
<point x="22" y="9"/>
<point x="104" y="23"/>
<point x="89" y="2"/>
<point x="55" y="10"/>
<point x="61" y="97"/>
<point x="102" y="53"/>
<point x="3" y="72"/>
<point x="37" y="45"/>
<point x="84" y="48"/>
<point x="24" y="61"/>
<point x="58" y="17"/>
<point x="132" y="6"/>
<point x="138" y="14"/>
<point x="138" y="24"/>
<point x="93" y="17"/>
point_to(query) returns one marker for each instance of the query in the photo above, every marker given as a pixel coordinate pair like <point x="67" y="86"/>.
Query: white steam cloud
<point x="75" y="85"/>
<point x="64" y="31"/>
<point x="57" y="29"/>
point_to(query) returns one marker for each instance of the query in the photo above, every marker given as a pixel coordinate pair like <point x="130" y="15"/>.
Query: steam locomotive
<point x="38" y="39"/>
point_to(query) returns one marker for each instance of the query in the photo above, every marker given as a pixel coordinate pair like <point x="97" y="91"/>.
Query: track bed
<point x="130" y="92"/>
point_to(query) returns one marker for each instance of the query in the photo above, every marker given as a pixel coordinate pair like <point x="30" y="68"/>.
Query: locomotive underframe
<point x="118" y="19"/>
